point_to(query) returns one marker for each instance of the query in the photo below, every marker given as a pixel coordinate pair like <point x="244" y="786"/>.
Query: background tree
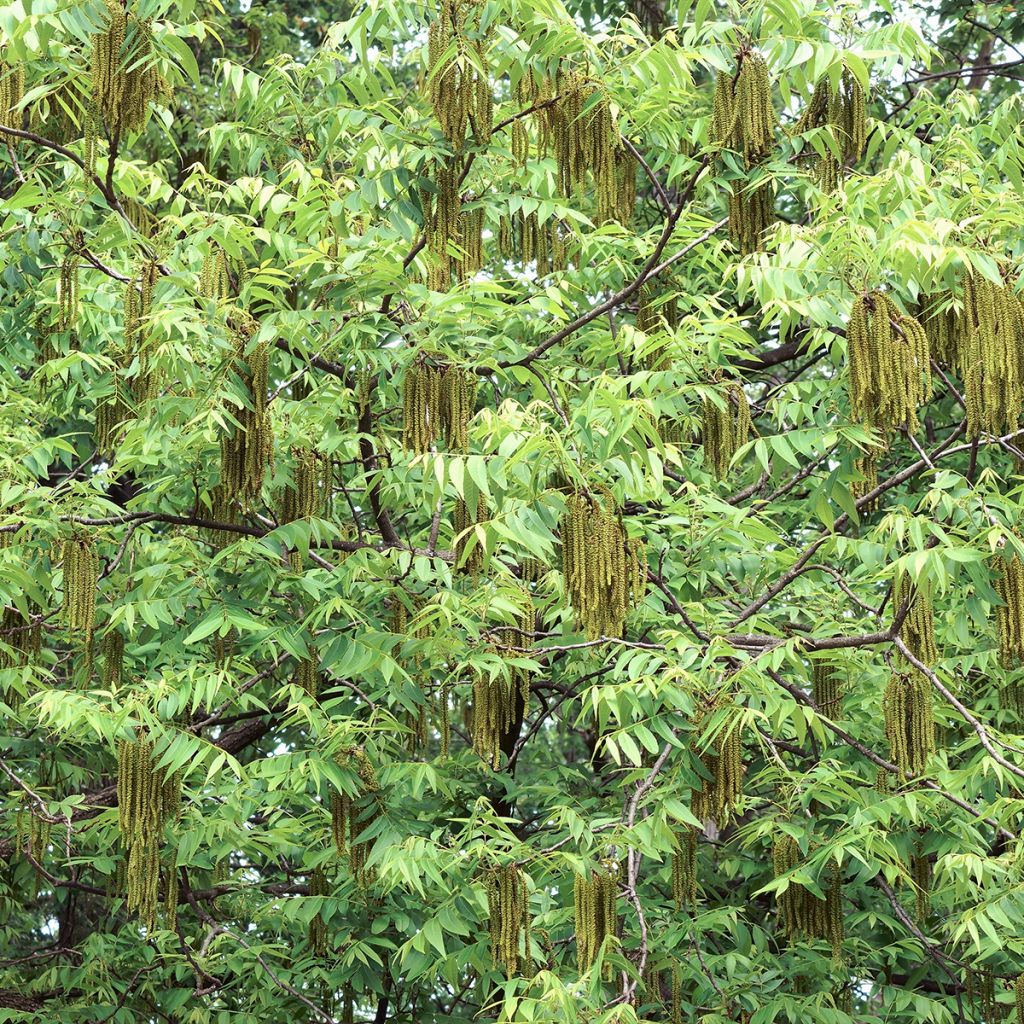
<point x="511" y="511"/>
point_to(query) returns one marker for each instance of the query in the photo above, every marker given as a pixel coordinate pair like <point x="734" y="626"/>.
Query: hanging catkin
<point x="889" y="374"/>
<point x="508" y="914"/>
<point x="437" y="402"/>
<point x="594" y="899"/>
<point x="125" y="78"/>
<point x="138" y="305"/>
<point x="605" y="571"/>
<point x="1018" y="998"/>
<point x="1010" y="614"/>
<point x="722" y="762"/>
<point x="67" y="293"/>
<point x="351" y="816"/>
<point x="81" y="567"/>
<point x="829" y="685"/>
<point x="318" y="886"/>
<point x="921" y="879"/>
<point x="443" y="223"/>
<point x="751" y="213"/>
<point x="742" y="117"/>
<point x="867" y="467"/>
<point x="457" y="81"/>
<point x="992" y="355"/>
<point x="843" y="111"/>
<point x="22" y="638"/>
<point x="684" y="869"/>
<point x="803" y="914"/>
<point x="113" y="658"/>
<point x="146" y="801"/>
<point x="909" y="724"/>
<point x="945" y="328"/>
<point x="469" y="549"/>
<point x="726" y="428"/>
<point x="918" y="628"/>
<point x="12" y="91"/>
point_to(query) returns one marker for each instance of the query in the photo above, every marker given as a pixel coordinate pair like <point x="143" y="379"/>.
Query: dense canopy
<point x="510" y="510"/>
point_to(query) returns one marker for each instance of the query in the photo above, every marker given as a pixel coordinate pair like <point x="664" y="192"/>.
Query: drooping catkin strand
<point x="722" y="761"/>
<point x="457" y="79"/>
<point x="318" y="886"/>
<point x="992" y="355"/>
<point x="437" y="403"/>
<point x="726" y="428"/>
<point x="20" y="638"/>
<point x="508" y="914"/>
<point x="247" y="451"/>
<point x="889" y="368"/>
<point x="803" y="914"/>
<point x="829" y="684"/>
<point x="81" y="567"/>
<point x="12" y="91"/>
<point x="605" y="571"/>
<point x="113" y="658"/>
<point x="684" y="869"/>
<point x="751" y="214"/>
<point x="918" y="628"/>
<point x="138" y="306"/>
<point x="594" y="899"/>
<point x="867" y="467"/>
<point x="921" y="880"/>
<point x="147" y="799"/>
<point x="1010" y="613"/>
<point x="742" y="116"/>
<point x="909" y="722"/>
<point x="217" y="273"/>
<point x="443" y="224"/>
<point x="67" y="289"/>
<point x="843" y="112"/>
<point x="351" y="816"/>
<point x="1018" y="998"/>
<point x="469" y="549"/>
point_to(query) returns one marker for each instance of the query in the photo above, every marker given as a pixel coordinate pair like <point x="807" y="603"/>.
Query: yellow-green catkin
<point x="550" y="244"/>
<point x="918" y="628"/>
<point x="351" y="816"/>
<point x="147" y="799"/>
<point x="1018" y="998"/>
<point x="21" y="638"/>
<point x="742" y="116"/>
<point x="803" y="914"/>
<point x="889" y="367"/>
<point x="909" y="721"/>
<point x="67" y="289"/>
<point x="726" y="429"/>
<point x="1010" y="613"/>
<point x="605" y="570"/>
<point x="318" y="886"/>
<point x="469" y="549"/>
<point x="829" y="684"/>
<point x="867" y="467"/>
<point x="843" y="111"/>
<point x="81" y="568"/>
<point x="138" y="306"/>
<point x="722" y="760"/>
<point x="12" y="91"/>
<point x="594" y="899"/>
<point x="125" y="76"/>
<point x="921" y="880"/>
<point x="437" y="403"/>
<point x="751" y="213"/>
<point x="508" y="915"/>
<point x="247" y="449"/>
<point x="456" y="74"/>
<point x="113" y="658"/>
<point x="443" y="224"/>
<point x="684" y="869"/>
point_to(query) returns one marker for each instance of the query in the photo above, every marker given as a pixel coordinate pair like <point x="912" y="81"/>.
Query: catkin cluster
<point x="457" y="81"/>
<point x="890" y="372"/>
<point x="22" y="638"/>
<point x="138" y="305"/>
<point x="655" y="313"/>
<point x="921" y="879"/>
<point x="751" y="213"/>
<point x="1010" y="614"/>
<point x="804" y="914"/>
<point x="67" y="289"/>
<point x="867" y="467"/>
<point x="125" y="77"/>
<point x="318" y="886"/>
<point x="722" y="761"/>
<point x="113" y="658"/>
<point x="742" y="116"/>
<point x="605" y="571"/>
<point x="218" y="273"/>
<point x="470" y="559"/>
<point x="302" y="498"/>
<point x="909" y="723"/>
<point x="1018" y="998"/>
<point x="594" y="899"/>
<point x="829" y="685"/>
<point x="684" y="869"/>
<point x="12" y="91"/>
<point x="81" y="567"/>
<point x="842" y="110"/>
<point x="247" y="451"/>
<point x="726" y="428"/>
<point x="447" y="229"/>
<point x="508" y="914"/>
<point x="991" y="359"/>
<point x="525" y="238"/>
<point x="918" y="629"/>
<point x="352" y="816"/>
<point x="146" y="801"/>
<point x="437" y="401"/>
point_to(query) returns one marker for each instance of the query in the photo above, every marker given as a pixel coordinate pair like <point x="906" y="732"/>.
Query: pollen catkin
<point x="1010" y="613"/>
<point x="921" y="880"/>
<point x="803" y="914"/>
<point x="605" y="571"/>
<point x="684" y="869"/>
<point x="889" y="372"/>
<point x="215" y="273"/>
<point x="138" y="306"/>
<point x="304" y="497"/>
<point x="469" y="550"/>
<point x="67" y="305"/>
<point x="722" y="762"/>
<point x="457" y="80"/>
<point x="12" y="91"/>
<point x="867" y="467"/>
<point x="751" y="214"/>
<point x="147" y="800"/>
<point x="1018" y="998"/>
<point x="351" y="816"/>
<point x="443" y="224"/>
<point x="113" y="658"/>
<point x="909" y="722"/>
<point x="726" y="429"/>
<point x="918" y="629"/>
<point x="125" y="77"/>
<point x="318" y="886"/>
<point x="81" y="567"/>
<point x="508" y="915"/>
<point x="594" y="899"/>
<point x="829" y="685"/>
<point x="742" y="117"/>
<point x="437" y="402"/>
<point x="843" y="112"/>
<point x="992" y="355"/>
<point x="22" y="638"/>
